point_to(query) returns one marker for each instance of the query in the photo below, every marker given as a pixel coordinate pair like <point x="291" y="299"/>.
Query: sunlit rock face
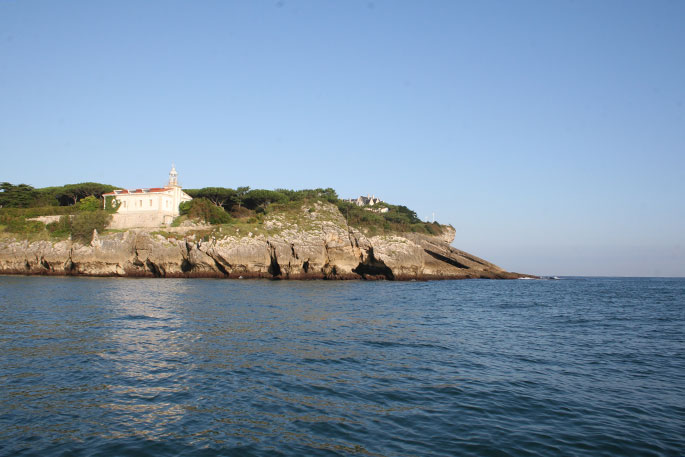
<point x="315" y="243"/>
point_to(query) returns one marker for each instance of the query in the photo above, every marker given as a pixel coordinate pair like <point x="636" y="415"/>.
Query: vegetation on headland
<point x="398" y="218"/>
<point x="78" y="205"/>
<point x="25" y="196"/>
<point x="229" y="210"/>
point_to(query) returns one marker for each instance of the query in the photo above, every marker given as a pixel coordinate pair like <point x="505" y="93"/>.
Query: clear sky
<point x="550" y="134"/>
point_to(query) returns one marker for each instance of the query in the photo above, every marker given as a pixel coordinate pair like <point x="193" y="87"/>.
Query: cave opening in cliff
<point x="373" y="268"/>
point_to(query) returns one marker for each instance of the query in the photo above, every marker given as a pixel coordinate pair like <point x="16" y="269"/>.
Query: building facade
<point x="146" y="207"/>
<point x="369" y="200"/>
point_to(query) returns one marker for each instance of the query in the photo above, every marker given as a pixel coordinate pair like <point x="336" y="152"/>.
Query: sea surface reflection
<point x="146" y="358"/>
<point x="218" y="367"/>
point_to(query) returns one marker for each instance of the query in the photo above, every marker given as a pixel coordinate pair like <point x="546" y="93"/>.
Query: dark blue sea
<point x="164" y="367"/>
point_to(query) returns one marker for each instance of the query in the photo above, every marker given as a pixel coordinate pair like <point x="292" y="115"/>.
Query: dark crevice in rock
<point x="27" y="265"/>
<point x="469" y="257"/>
<point x="330" y="272"/>
<point x="327" y="270"/>
<point x="69" y="265"/>
<point x="45" y="264"/>
<point x="274" y="268"/>
<point x="156" y="271"/>
<point x="305" y="266"/>
<point x="431" y="247"/>
<point x="350" y="238"/>
<point x="186" y="266"/>
<point x="447" y="260"/>
<point x="292" y="249"/>
<point x="349" y="234"/>
<point x="136" y="260"/>
<point x="219" y="262"/>
<point x="373" y="268"/>
<point x="220" y="267"/>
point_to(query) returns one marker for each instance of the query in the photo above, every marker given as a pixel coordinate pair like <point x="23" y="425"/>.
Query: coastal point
<point x="227" y="233"/>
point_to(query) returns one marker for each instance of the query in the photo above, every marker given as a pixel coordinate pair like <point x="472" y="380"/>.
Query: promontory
<point x="222" y="234"/>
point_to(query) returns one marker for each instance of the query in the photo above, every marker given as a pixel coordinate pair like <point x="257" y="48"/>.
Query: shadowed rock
<point x="319" y="245"/>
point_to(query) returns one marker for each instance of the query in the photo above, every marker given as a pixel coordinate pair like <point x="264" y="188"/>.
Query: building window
<point x="150" y="202"/>
<point x="124" y="204"/>
<point x="140" y="203"/>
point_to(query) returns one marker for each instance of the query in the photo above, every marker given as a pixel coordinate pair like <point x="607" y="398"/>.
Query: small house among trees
<point x="369" y="200"/>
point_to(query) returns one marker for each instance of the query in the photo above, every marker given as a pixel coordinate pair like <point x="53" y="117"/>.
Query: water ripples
<point x="590" y="367"/>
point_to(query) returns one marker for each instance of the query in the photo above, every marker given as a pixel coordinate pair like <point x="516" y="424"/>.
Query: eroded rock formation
<point x="318" y="245"/>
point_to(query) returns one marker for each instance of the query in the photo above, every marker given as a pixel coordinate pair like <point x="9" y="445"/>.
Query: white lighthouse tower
<point x="173" y="177"/>
<point x="147" y="206"/>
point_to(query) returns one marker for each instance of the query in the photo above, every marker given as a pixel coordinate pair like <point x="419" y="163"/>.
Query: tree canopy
<point x="219" y="196"/>
<point x="72" y="193"/>
<point x="17" y="196"/>
<point x="211" y="204"/>
<point x="259" y="198"/>
<point x="25" y="196"/>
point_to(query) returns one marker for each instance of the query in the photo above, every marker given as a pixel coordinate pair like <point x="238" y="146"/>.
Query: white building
<point x="369" y="200"/>
<point x="146" y="207"/>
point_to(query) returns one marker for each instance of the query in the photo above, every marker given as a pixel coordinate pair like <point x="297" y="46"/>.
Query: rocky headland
<point x="316" y="244"/>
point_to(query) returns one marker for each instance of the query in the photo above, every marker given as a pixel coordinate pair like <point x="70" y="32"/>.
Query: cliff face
<point x="317" y="245"/>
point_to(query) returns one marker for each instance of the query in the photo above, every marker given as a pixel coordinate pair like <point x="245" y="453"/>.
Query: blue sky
<point x="551" y="135"/>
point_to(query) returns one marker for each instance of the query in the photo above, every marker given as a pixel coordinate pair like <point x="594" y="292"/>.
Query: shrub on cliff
<point x="38" y="211"/>
<point x="61" y="228"/>
<point x="259" y="199"/>
<point x="89" y="203"/>
<point x="205" y="210"/>
<point x="328" y="194"/>
<point x="398" y="218"/>
<point x="83" y="224"/>
<point x="21" y="225"/>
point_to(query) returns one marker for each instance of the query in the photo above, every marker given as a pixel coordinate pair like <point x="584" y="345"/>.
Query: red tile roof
<point x="138" y="191"/>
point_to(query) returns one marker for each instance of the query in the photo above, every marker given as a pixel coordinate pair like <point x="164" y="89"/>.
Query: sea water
<point x="575" y="367"/>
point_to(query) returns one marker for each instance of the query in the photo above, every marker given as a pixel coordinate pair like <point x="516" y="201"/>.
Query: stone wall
<point x="46" y="219"/>
<point x="143" y="220"/>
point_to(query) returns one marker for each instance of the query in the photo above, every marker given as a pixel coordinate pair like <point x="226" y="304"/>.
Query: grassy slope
<point x="304" y="215"/>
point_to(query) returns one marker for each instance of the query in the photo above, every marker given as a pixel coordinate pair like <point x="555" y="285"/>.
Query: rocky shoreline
<point x="324" y="248"/>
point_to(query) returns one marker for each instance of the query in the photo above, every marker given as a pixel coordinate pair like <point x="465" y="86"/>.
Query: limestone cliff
<point x="317" y="244"/>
